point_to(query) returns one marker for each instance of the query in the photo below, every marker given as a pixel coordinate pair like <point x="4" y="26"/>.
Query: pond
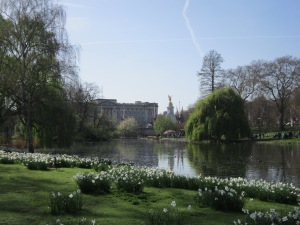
<point x="268" y="161"/>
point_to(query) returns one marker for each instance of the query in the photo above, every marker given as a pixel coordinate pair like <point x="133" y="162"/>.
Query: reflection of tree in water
<point x="170" y="153"/>
<point x="220" y="160"/>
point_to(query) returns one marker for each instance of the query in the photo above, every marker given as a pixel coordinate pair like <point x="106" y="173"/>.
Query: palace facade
<point x="144" y="112"/>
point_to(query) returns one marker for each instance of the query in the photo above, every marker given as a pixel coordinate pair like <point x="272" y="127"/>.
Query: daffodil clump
<point x="227" y="199"/>
<point x="61" y="203"/>
<point x="81" y="221"/>
<point x="167" y="216"/>
<point x="98" y="183"/>
<point x="128" y="178"/>
<point x="271" y="192"/>
<point x="49" y="160"/>
<point x="156" y="177"/>
<point x="271" y="217"/>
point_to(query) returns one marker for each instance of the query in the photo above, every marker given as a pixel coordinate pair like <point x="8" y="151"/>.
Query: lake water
<point x="273" y="163"/>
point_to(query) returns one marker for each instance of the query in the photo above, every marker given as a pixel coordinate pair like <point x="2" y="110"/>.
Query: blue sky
<point x="145" y="50"/>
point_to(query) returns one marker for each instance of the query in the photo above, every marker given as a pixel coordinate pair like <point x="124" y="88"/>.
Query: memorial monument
<point x="170" y="110"/>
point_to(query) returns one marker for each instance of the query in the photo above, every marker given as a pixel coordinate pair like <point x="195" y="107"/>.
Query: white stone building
<point x="144" y="112"/>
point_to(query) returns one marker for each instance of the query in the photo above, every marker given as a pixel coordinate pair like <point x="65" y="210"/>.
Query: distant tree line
<point x="270" y="93"/>
<point x="270" y="89"/>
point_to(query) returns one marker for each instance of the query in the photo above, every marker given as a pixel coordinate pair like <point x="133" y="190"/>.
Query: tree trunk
<point x="281" y="119"/>
<point x="28" y="128"/>
<point x="29" y="135"/>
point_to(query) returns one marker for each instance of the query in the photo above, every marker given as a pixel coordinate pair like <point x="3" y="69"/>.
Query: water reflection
<point x="274" y="163"/>
<point x="220" y="160"/>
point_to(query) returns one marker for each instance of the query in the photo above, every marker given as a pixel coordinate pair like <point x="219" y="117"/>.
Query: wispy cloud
<point x="190" y="28"/>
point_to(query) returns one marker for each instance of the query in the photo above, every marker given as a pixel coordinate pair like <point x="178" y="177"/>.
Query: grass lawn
<point x="24" y="199"/>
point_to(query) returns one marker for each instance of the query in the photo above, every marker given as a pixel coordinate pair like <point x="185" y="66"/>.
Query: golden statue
<point x="170" y="100"/>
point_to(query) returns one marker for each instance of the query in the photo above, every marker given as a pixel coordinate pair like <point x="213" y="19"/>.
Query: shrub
<point x="93" y="183"/>
<point x="37" y="165"/>
<point x="226" y="199"/>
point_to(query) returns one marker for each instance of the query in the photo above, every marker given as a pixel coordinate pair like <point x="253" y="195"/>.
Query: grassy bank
<point x="25" y="200"/>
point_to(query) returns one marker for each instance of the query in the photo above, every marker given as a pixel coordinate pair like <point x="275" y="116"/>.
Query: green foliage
<point x="220" y="116"/>
<point x="101" y="133"/>
<point x="163" y="123"/>
<point x="37" y="166"/>
<point x="106" y="127"/>
<point x="34" y="57"/>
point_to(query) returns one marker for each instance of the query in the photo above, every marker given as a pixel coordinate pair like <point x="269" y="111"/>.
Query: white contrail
<point x="189" y="27"/>
<point x="189" y="39"/>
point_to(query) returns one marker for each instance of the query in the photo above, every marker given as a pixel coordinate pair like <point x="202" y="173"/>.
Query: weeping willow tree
<point x="55" y="120"/>
<point x="220" y="116"/>
<point x="36" y="57"/>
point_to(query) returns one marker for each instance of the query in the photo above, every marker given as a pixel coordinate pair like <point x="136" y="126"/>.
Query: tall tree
<point x="279" y="78"/>
<point x="211" y="72"/>
<point x="54" y="120"/>
<point x="244" y="79"/>
<point x="82" y="97"/>
<point x="294" y="106"/>
<point x="37" y="54"/>
<point x="261" y="113"/>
